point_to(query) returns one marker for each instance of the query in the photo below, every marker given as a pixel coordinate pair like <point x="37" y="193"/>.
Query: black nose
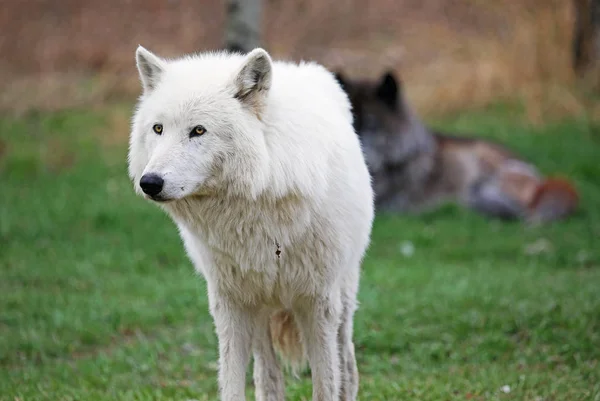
<point x="151" y="184"/>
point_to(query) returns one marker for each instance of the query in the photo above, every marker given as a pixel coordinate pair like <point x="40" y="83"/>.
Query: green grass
<point x="99" y="302"/>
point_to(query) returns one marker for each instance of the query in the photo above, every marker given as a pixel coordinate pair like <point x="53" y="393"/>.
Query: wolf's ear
<point x="387" y="90"/>
<point x="339" y="76"/>
<point x="150" y="67"/>
<point x="253" y="80"/>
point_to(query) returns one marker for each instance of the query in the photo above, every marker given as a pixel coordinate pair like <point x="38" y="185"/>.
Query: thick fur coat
<point x="416" y="169"/>
<point x="259" y="167"/>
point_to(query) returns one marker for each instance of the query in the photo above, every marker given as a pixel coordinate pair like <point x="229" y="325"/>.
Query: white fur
<point x="278" y="168"/>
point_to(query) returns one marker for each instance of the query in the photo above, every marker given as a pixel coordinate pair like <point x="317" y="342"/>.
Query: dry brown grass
<point x="452" y="54"/>
<point x="530" y="60"/>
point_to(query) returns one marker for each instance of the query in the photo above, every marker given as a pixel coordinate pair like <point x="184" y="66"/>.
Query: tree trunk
<point x="586" y="40"/>
<point x="242" y="31"/>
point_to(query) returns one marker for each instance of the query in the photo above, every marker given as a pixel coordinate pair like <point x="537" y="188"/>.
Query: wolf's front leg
<point x="349" y="370"/>
<point x="233" y="325"/>
<point x="319" y="321"/>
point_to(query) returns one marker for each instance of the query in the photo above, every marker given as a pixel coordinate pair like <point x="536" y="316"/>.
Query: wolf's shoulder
<point x="305" y="76"/>
<point x="307" y="90"/>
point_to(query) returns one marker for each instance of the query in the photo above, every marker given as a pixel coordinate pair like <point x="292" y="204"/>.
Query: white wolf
<point x="258" y="165"/>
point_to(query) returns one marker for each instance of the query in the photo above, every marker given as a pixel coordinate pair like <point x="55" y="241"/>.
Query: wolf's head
<point x="197" y="127"/>
<point x="374" y="103"/>
<point x="383" y="120"/>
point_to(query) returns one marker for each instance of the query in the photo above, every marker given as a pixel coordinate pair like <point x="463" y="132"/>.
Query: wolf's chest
<point x="247" y="234"/>
<point x="257" y="270"/>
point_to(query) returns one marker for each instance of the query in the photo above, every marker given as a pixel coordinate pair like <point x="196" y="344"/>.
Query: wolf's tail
<point x="287" y="341"/>
<point x="554" y="199"/>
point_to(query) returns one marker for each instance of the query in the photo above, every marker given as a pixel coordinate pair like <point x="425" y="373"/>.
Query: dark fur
<point x="416" y="169"/>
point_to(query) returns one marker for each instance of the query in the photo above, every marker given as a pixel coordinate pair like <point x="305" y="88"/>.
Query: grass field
<point x="99" y="302"/>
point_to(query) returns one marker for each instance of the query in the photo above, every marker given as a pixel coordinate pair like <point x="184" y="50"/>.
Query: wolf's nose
<point x="151" y="184"/>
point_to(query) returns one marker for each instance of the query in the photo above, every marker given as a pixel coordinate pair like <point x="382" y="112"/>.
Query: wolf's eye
<point x="197" y="131"/>
<point x="157" y="128"/>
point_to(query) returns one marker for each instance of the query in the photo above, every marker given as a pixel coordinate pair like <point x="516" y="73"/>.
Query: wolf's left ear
<point x="150" y="68"/>
<point x="253" y="79"/>
<point x="387" y="90"/>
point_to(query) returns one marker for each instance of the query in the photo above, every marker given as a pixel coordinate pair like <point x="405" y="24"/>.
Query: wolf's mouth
<point x="158" y="198"/>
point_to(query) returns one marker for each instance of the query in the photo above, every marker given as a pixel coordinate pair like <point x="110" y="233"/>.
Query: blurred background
<point x="98" y="300"/>
<point x="452" y="53"/>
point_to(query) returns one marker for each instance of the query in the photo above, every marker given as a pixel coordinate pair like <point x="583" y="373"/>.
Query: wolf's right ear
<point x="253" y="80"/>
<point x="388" y="89"/>
<point x="150" y="68"/>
